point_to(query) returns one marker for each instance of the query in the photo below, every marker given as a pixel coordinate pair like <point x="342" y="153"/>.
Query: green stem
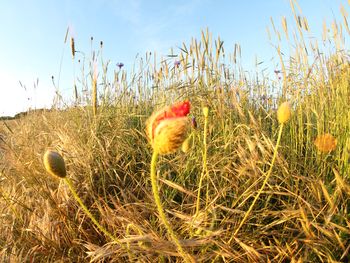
<point x="263" y="185"/>
<point x="161" y="213"/>
<point x="87" y="212"/>
<point x="204" y="170"/>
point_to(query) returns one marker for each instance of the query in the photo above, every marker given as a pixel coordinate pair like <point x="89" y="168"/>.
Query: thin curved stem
<point x="205" y="169"/>
<point x="262" y="186"/>
<point x="87" y="212"/>
<point x="161" y="213"/>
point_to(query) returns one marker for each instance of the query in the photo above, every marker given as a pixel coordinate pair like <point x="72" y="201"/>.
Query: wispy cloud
<point x="155" y="25"/>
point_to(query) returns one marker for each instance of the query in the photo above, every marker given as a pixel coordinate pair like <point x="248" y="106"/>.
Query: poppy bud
<point x="205" y="112"/>
<point x="54" y="164"/>
<point x="284" y="113"/>
<point x="167" y="128"/>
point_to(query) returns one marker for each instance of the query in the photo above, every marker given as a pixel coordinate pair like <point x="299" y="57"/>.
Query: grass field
<point x="250" y="188"/>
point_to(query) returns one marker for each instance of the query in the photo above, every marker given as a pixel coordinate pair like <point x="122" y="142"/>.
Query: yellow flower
<point x="284" y="112"/>
<point x="167" y="128"/>
<point x="54" y="164"/>
<point x="325" y="143"/>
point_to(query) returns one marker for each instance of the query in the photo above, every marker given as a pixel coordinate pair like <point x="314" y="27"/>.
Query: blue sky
<point x="32" y="35"/>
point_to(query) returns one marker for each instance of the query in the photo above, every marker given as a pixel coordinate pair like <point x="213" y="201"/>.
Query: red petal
<point x="179" y="109"/>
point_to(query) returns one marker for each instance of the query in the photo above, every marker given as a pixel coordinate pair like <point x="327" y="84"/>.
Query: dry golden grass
<point x="300" y="215"/>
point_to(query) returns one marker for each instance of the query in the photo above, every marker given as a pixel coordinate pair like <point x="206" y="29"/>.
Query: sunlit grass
<point x="254" y="184"/>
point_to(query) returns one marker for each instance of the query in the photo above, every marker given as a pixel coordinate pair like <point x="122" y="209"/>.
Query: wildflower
<point x="284" y="112"/>
<point x="54" y="164"/>
<point x="177" y="63"/>
<point x="120" y="65"/>
<point x="325" y="143"/>
<point x="166" y="129"/>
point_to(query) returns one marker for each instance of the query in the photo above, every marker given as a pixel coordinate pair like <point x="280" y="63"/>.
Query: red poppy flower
<point x="167" y="128"/>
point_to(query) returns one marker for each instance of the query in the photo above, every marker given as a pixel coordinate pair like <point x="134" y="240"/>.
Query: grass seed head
<point x="72" y="46"/>
<point x="54" y="164"/>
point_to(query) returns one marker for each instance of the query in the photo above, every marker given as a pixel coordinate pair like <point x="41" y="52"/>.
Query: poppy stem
<point x="262" y="186"/>
<point x="160" y="209"/>
<point x="87" y="212"/>
<point x="205" y="168"/>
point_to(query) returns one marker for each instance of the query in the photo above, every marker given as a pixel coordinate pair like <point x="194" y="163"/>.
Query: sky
<point x="32" y="47"/>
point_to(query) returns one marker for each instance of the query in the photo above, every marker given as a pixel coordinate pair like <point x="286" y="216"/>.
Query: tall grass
<point x="301" y="213"/>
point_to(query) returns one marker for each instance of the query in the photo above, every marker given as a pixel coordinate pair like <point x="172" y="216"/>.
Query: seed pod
<point x="284" y="112"/>
<point x="205" y="112"/>
<point x="54" y="164"/>
<point x="187" y="144"/>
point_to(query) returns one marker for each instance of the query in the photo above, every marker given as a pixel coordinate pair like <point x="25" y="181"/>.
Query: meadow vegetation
<point x="251" y="187"/>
